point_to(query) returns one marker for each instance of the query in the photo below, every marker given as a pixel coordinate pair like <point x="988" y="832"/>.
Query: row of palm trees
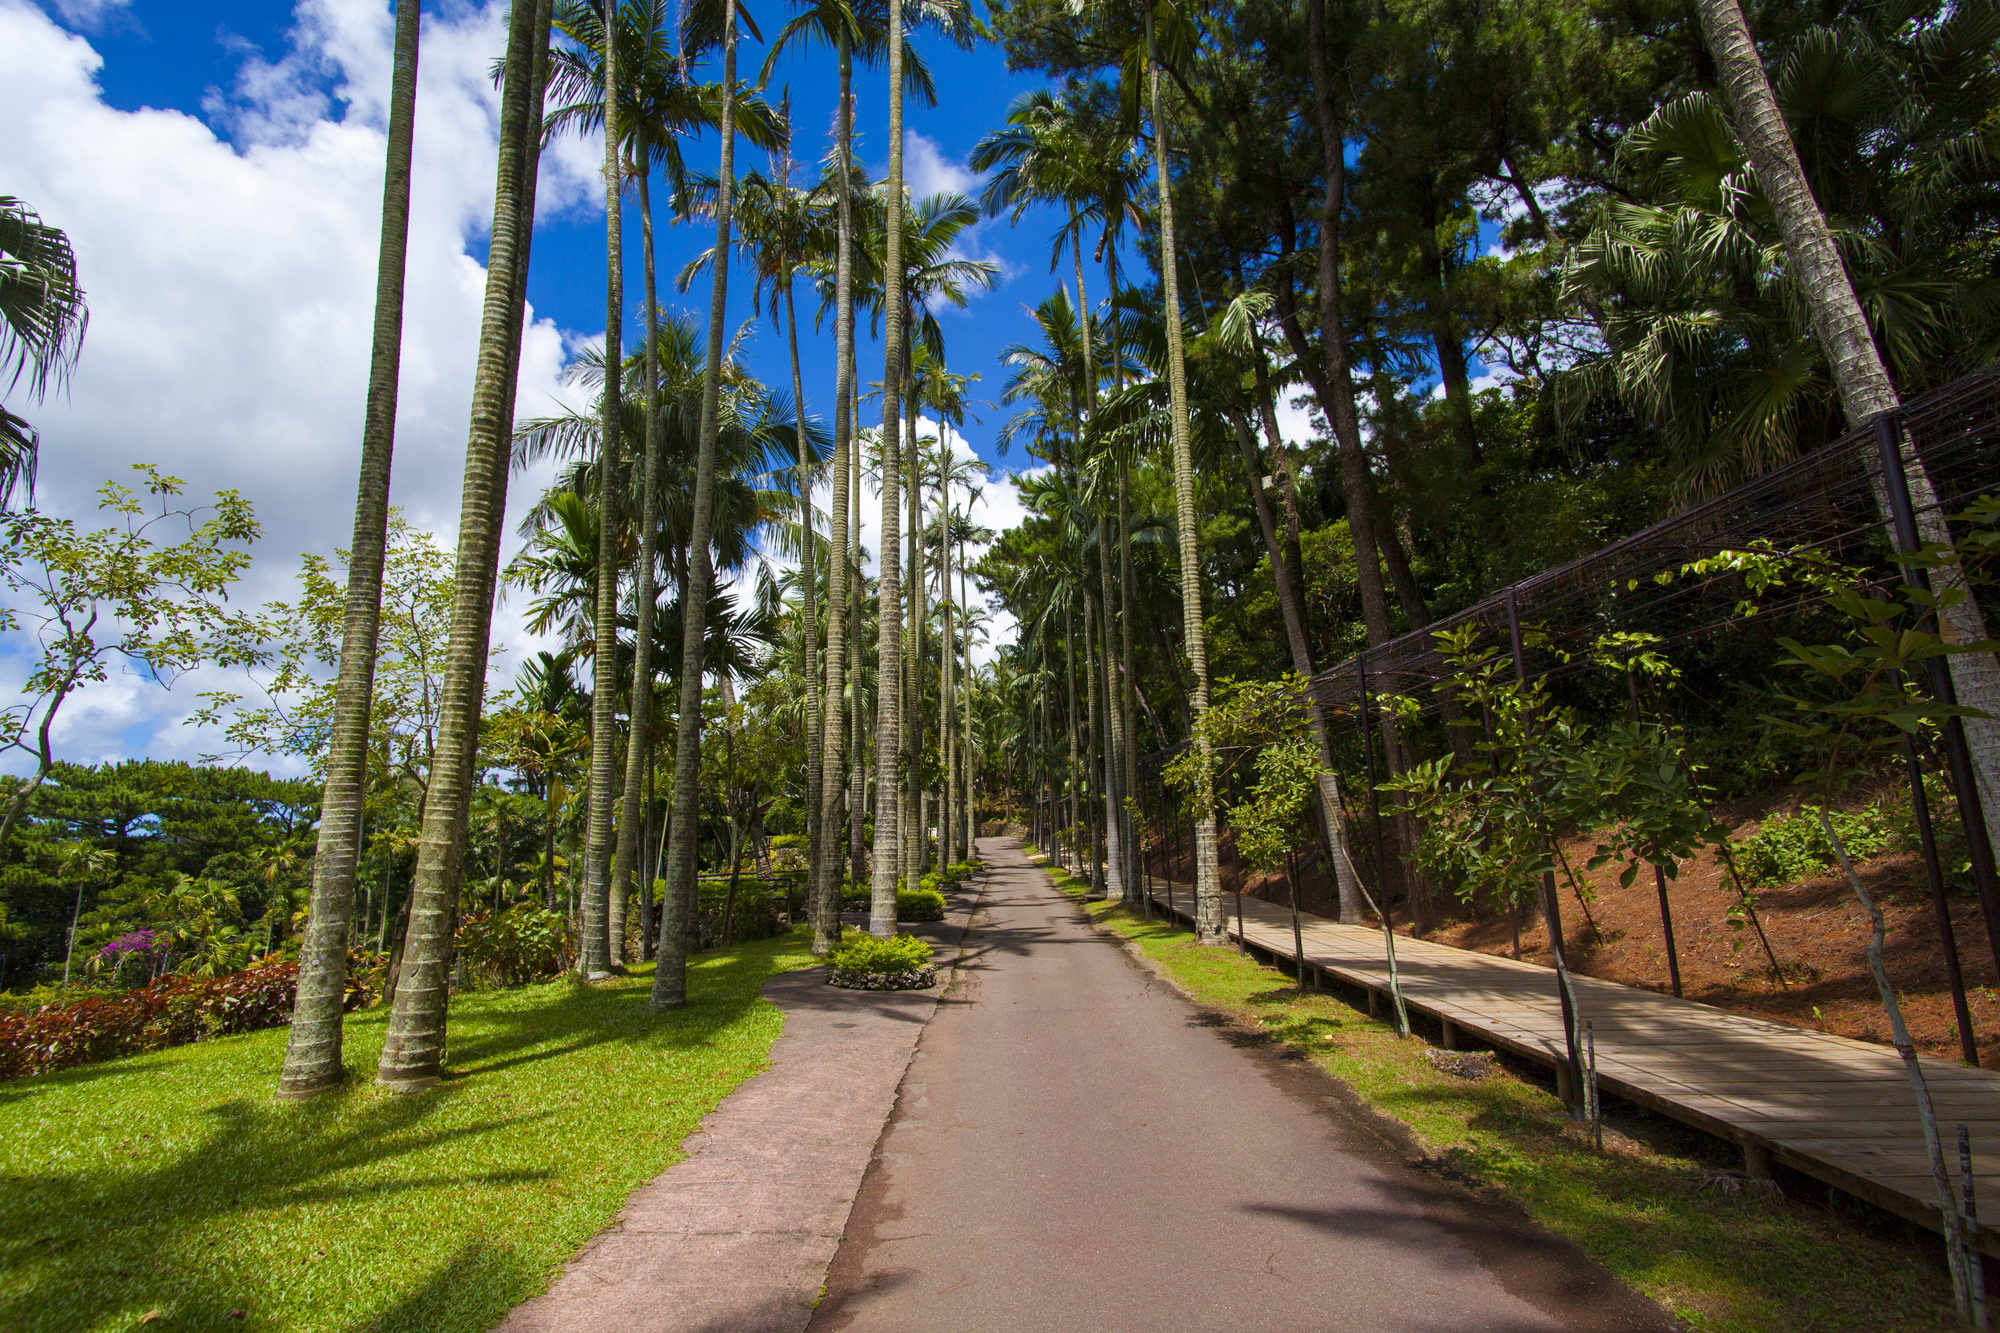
<point x="682" y="445"/>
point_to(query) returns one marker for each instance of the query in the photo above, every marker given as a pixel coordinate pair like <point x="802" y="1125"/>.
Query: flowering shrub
<point x="172" y="1011"/>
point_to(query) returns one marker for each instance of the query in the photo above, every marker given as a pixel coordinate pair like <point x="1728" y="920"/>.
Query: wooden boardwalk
<point x="1838" y="1110"/>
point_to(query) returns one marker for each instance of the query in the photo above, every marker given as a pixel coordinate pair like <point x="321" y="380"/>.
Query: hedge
<point x="172" y="1011"/>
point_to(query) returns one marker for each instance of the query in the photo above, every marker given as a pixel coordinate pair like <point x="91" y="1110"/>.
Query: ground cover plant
<point x="1647" y="1207"/>
<point x="172" y="1182"/>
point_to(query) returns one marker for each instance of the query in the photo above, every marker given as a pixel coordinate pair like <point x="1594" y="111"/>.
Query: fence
<point x="1876" y="491"/>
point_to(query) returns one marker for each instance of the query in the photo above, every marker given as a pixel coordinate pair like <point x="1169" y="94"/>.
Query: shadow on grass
<point x="185" y="1190"/>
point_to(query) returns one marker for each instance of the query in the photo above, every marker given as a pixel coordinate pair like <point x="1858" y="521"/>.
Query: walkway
<point x="1838" y="1110"/>
<point x="1075" y="1147"/>
<point x="736" y="1237"/>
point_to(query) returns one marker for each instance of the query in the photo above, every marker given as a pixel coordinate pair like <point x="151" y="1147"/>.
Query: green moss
<point x="174" y="1182"/>
<point x="1730" y="1265"/>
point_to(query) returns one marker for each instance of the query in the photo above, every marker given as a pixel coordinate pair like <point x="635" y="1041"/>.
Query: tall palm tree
<point x="1863" y="381"/>
<point x="313" y="1048"/>
<point x="413" y="1052"/>
<point x="670" y="976"/>
<point x="849" y="31"/>
<point x="1209" y="923"/>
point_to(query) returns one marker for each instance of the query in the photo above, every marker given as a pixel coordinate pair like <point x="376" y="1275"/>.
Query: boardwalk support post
<point x="1551" y="905"/>
<point x="1659" y="875"/>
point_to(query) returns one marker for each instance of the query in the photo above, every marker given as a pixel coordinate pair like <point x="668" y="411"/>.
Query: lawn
<point x="174" y="1183"/>
<point x="1645" y="1208"/>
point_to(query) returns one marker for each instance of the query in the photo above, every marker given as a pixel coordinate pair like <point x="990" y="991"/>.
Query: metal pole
<point x="1659" y="875"/>
<point x="1971" y="812"/>
<point x="1374" y="797"/>
<point x="1920" y="807"/>
<point x="1551" y="905"/>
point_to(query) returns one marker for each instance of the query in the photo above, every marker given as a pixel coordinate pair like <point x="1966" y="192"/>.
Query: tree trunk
<point x="595" y="957"/>
<point x="1858" y="372"/>
<point x="670" y="975"/>
<point x="809" y="567"/>
<point x="825" y="876"/>
<point x="639" y="744"/>
<point x="889" y="615"/>
<point x="413" y="1052"/>
<point x="1210" y="926"/>
<point x="313" y="1048"/>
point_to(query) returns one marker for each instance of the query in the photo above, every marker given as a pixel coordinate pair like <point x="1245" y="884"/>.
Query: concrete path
<point x="736" y="1237"/>
<point x="1076" y="1147"/>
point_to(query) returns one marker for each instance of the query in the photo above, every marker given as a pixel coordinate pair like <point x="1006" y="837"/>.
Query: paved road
<point x="1075" y="1147"/>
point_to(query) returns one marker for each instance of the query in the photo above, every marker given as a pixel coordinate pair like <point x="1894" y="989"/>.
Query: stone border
<point x="922" y="978"/>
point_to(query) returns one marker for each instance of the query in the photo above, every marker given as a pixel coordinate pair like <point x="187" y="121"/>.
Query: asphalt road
<point x="1076" y="1147"/>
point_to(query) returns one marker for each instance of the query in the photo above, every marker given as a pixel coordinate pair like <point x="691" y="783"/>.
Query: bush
<point x="521" y="944"/>
<point x="788" y="842"/>
<point x="959" y="872"/>
<point x="1788" y="848"/>
<point x="172" y="1011"/>
<point x="855" y="895"/>
<point x="925" y="904"/>
<point x="865" y="953"/>
<point x="758" y="903"/>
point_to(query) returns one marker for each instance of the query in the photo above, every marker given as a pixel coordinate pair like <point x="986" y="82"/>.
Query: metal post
<point x="1551" y="905"/>
<point x="1659" y="876"/>
<point x="1958" y="757"/>
<point x="1920" y="807"/>
<point x="1374" y="797"/>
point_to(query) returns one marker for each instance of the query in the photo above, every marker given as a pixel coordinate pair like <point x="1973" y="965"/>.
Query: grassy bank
<point x="1647" y="1207"/>
<point x="173" y="1182"/>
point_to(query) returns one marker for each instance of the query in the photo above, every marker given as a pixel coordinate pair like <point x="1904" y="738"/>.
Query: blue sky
<point x="189" y="56"/>
<point x="218" y="168"/>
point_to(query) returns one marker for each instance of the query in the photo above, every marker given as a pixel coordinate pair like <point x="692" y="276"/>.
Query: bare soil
<point x="1816" y="929"/>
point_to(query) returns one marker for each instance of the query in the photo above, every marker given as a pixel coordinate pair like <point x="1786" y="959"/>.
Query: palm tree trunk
<point x="639" y="743"/>
<point x="1210" y="926"/>
<point x="670" y="976"/>
<point x="313" y="1049"/>
<point x="1858" y="372"/>
<point x="825" y="878"/>
<point x="594" y="957"/>
<point x="857" y="780"/>
<point x="815" y="702"/>
<point x="413" y="1053"/>
<point x="889" y="642"/>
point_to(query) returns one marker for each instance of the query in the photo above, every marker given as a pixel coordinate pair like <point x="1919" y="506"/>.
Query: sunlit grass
<point x="173" y="1181"/>
<point x="1734" y="1265"/>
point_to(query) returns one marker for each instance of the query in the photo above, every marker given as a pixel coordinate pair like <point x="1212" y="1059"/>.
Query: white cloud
<point x="92" y="15"/>
<point x="927" y="171"/>
<point x="997" y="508"/>
<point x="231" y="290"/>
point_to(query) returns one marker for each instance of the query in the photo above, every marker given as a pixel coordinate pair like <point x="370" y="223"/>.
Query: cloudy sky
<point x="218" y="168"/>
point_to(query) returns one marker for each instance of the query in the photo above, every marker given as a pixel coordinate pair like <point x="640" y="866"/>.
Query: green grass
<point x="1734" y="1265"/>
<point x="174" y="1182"/>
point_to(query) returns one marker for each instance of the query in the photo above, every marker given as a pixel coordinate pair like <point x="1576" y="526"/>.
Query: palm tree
<point x="1209" y="924"/>
<point x="837" y="24"/>
<point x="1862" y="380"/>
<point x="313" y="1048"/>
<point x="670" y="976"/>
<point x="43" y="318"/>
<point x="413" y="1053"/>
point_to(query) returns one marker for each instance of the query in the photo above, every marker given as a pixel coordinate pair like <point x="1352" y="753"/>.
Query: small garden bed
<point x="901" y="962"/>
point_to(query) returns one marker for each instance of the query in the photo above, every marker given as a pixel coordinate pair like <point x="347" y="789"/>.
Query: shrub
<point x="1788" y="848"/>
<point x="959" y="871"/>
<point x="865" y="953"/>
<point x="852" y="894"/>
<point x="758" y="903"/>
<point x="520" y="944"/>
<point x="925" y="904"/>
<point x="172" y="1011"/>
<point x="788" y="842"/>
